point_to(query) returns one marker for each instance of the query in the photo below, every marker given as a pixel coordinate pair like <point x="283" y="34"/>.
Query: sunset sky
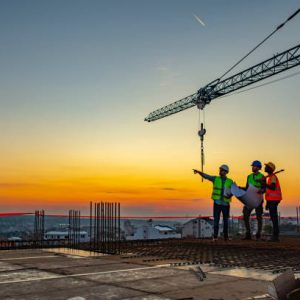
<point x="78" y="78"/>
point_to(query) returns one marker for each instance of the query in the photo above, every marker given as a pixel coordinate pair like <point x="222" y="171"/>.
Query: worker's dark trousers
<point x="272" y="206"/>
<point x="259" y="212"/>
<point x="217" y="213"/>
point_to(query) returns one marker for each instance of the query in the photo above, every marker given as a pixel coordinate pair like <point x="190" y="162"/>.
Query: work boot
<point x="274" y="239"/>
<point x="258" y="236"/>
<point x="247" y="237"/>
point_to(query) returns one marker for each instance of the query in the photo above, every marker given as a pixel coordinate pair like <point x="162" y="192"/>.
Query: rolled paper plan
<point x="250" y="198"/>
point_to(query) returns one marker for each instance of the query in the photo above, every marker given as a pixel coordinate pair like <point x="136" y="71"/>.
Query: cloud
<point x="162" y="69"/>
<point x="167" y="76"/>
<point x="122" y="191"/>
<point x="16" y="185"/>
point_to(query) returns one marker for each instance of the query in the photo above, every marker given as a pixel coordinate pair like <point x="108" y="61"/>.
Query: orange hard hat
<point x="270" y="165"/>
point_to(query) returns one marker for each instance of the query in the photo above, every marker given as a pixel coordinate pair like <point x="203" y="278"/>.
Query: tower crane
<point x="278" y="63"/>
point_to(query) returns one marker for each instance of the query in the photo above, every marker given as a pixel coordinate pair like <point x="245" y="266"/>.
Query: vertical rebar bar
<point x="109" y="235"/>
<point x="100" y="227"/>
<point x="76" y="228"/>
<point x="297" y="214"/>
<point x="90" y="228"/>
<point x="115" y="228"/>
<point x="119" y="228"/>
<point x="43" y="227"/>
<point x="95" y="225"/>
<point x="105" y="225"/>
<point x="69" y="230"/>
<point x="35" y="226"/>
<point x="102" y="222"/>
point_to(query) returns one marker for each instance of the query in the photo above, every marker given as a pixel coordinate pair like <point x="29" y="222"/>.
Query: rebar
<point x="250" y="254"/>
<point x="105" y="236"/>
<point x="39" y="227"/>
<point x="74" y="229"/>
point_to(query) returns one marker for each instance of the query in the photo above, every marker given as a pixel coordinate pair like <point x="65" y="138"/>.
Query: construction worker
<point x="273" y="197"/>
<point x="254" y="179"/>
<point x="221" y="197"/>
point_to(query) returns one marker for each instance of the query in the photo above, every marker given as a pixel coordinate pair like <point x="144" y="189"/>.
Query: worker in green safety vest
<point x="221" y="196"/>
<point x="254" y="179"/>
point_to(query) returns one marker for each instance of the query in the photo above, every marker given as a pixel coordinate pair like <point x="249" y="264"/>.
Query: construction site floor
<point x="71" y="274"/>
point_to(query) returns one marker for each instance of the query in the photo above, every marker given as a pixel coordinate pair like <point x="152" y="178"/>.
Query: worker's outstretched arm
<point x="205" y="176"/>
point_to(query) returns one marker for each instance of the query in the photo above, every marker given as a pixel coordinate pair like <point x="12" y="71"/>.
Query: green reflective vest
<point x="217" y="189"/>
<point x="252" y="179"/>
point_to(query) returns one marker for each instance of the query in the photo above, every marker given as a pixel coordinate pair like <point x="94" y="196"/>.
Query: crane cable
<point x="273" y="32"/>
<point x="201" y="133"/>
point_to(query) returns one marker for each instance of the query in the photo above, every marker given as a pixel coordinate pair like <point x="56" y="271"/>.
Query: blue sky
<point x="78" y="78"/>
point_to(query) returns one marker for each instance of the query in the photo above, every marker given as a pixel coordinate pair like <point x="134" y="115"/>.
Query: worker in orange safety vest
<point x="273" y="196"/>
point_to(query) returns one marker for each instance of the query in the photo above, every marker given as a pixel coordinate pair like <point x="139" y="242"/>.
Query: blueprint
<point x="251" y="198"/>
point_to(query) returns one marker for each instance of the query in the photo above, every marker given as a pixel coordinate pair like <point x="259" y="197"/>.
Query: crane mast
<point x="278" y="63"/>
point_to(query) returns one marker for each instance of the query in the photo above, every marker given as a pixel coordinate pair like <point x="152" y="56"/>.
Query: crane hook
<point x="201" y="134"/>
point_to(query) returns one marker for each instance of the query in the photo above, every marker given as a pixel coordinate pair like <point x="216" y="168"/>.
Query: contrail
<point x="199" y="20"/>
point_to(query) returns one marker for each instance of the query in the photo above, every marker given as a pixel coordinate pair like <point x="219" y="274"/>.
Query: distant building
<point x="64" y="235"/>
<point x="289" y="221"/>
<point x="129" y="228"/>
<point x="198" y="228"/>
<point x="14" y="239"/>
<point x="150" y="232"/>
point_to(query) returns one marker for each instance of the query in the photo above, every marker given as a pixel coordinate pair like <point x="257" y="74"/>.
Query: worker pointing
<point x="221" y="196"/>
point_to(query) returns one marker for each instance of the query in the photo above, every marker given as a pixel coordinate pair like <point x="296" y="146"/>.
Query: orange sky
<point x="141" y="190"/>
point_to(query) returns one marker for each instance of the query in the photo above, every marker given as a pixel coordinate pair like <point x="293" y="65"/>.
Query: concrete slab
<point x="30" y="275"/>
<point x="42" y="287"/>
<point x="75" y="252"/>
<point x="94" y="268"/>
<point x="22" y="253"/>
<point x="21" y="275"/>
<point x="246" y="273"/>
<point x="230" y="288"/>
<point x="62" y="262"/>
<point x="148" y="297"/>
<point x="134" y="275"/>
<point x="6" y="266"/>
<point x="104" y="292"/>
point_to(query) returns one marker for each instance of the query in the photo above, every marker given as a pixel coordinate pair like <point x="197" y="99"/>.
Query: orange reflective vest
<point x="273" y="195"/>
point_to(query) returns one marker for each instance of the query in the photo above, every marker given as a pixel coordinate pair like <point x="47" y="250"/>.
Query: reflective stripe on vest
<point x="217" y="189"/>
<point x="273" y="195"/>
<point x="252" y="179"/>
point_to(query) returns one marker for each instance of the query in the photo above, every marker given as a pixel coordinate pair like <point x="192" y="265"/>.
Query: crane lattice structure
<point x="278" y="63"/>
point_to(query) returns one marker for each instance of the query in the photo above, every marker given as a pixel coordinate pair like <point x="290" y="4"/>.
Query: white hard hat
<point x="225" y="168"/>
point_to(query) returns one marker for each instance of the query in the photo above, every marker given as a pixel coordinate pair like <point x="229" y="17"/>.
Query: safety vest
<point x="217" y="189"/>
<point x="252" y="179"/>
<point x="273" y="195"/>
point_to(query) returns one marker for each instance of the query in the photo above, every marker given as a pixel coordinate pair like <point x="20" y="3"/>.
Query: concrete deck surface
<point x="39" y="274"/>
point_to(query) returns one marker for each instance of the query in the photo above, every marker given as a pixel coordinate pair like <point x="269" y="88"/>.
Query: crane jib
<point x="278" y="63"/>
